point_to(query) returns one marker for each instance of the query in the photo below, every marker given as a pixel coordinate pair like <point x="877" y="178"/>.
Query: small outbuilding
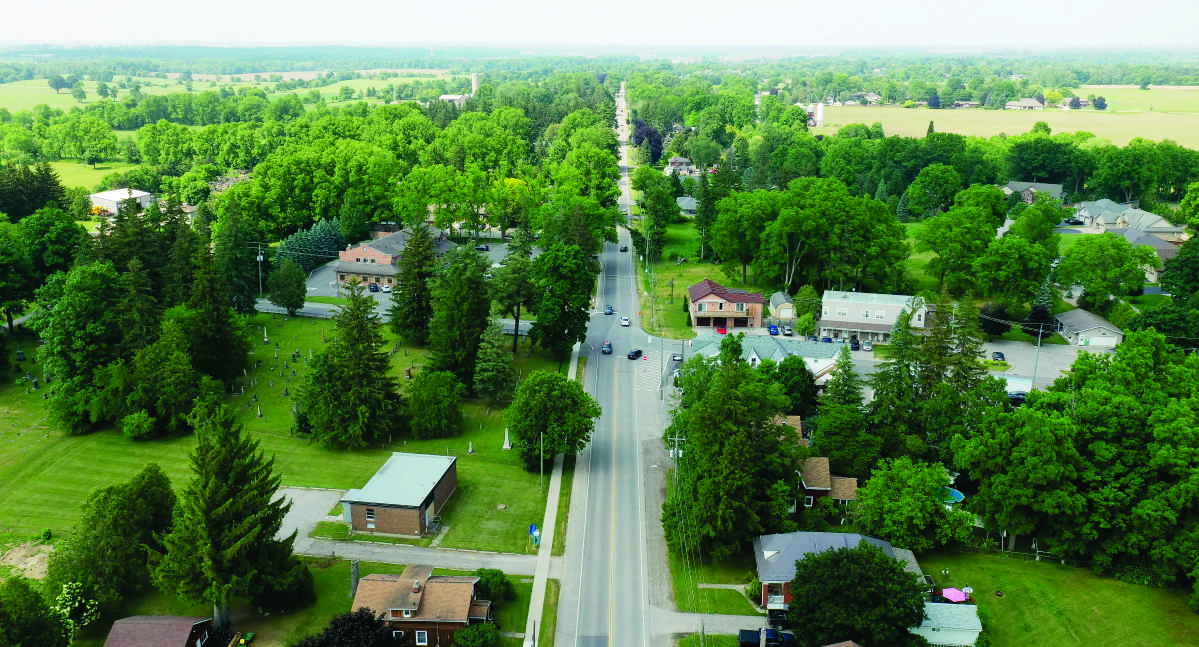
<point x="949" y="625"/>
<point x="109" y="202"/>
<point x="1084" y="328"/>
<point x="404" y="496"/>
<point x="160" y="631"/>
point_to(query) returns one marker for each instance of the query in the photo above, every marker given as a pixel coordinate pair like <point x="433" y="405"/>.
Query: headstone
<point x="260" y="411"/>
<point x="285" y="365"/>
<point x="254" y="397"/>
<point x="20" y="356"/>
<point x="470" y="447"/>
<point x="285" y="393"/>
<point x="507" y="441"/>
<point x="272" y="383"/>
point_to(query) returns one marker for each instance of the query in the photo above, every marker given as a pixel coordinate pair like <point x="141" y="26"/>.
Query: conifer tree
<point x="461" y="307"/>
<point x="288" y="287"/>
<point x="219" y="343"/>
<point x="495" y="376"/>
<point x="412" y="301"/>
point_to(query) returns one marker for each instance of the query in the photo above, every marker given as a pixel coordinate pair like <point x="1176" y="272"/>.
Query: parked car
<point x="624" y="321"/>
<point x="373" y="287"/>
<point x="998" y="356"/>
<point x="721" y="330"/>
<point x="624" y="248"/>
<point x="609" y="310"/>
<point x="774" y="330"/>
<point x="827" y="340"/>
<point x="606" y="349"/>
<point x="813" y="338"/>
<point x="778" y="618"/>
<point x="387" y="288"/>
<point x="1073" y="222"/>
<point x="635" y="353"/>
<point x="787" y="332"/>
<point x="677" y="357"/>
<point x="749" y="638"/>
<point x="483" y="248"/>
<point x="854" y="344"/>
<point x="867" y="346"/>
<point x="1017" y="398"/>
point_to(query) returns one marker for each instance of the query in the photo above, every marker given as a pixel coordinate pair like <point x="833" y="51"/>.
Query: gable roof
<point x="117" y="195"/>
<point x="1054" y="190"/>
<point x="687" y="204"/>
<point x="1078" y="320"/>
<point x="943" y="615"/>
<point x="448" y="598"/>
<point x="770" y="347"/>
<point x="395" y="243"/>
<point x="1026" y="102"/>
<point x="866" y="298"/>
<point x="779" y="298"/>
<point x="815" y="473"/>
<point x="776" y="554"/>
<point x="1104" y="210"/>
<point x="708" y="286"/>
<point x="1164" y="249"/>
<point x="1148" y="221"/>
<point x="382" y="269"/>
<point x="405" y="480"/>
<point x="844" y="488"/>
<point x="152" y="631"/>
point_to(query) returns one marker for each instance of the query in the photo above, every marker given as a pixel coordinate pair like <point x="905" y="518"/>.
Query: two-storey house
<point x="865" y="315"/>
<point x="714" y="305"/>
<point x="376" y="261"/>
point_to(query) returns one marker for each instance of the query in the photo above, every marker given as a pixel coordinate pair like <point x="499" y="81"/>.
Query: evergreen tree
<point x="288" y="287"/>
<point x="412" y="300"/>
<point x="902" y="212"/>
<point x="167" y="384"/>
<point x="218" y="341"/>
<point x="435" y="405"/>
<point x="992" y="319"/>
<point x="495" y="375"/>
<point x="235" y="237"/>
<point x="705" y="216"/>
<point x="180" y="269"/>
<point x="348" y="397"/>
<point x="880" y="193"/>
<point x="137" y="311"/>
<point x="226" y="520"/>
<point x="461" y="309"/>
<point x="27" y="619"/>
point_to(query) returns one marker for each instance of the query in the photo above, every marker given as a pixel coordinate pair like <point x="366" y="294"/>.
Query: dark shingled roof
<point x="152" y="631"/>
<point x="708" y="286"/>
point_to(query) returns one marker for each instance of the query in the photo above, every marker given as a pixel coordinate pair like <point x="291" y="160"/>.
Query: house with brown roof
<point x="160" y="631"/>
<point x="376" y="261"/>
<point x="817" y="481"/>
<point x="714" y="305"/>
<point x="422" y="608"/>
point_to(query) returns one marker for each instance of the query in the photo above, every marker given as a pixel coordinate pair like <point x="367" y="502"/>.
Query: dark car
<point x="827" y="340"/>
<point x="1073" y="222"/>
<point x="483" y="248"/>
<point x="998" y="357"/>
<point x="854" y="344"/>
<point x="635" y="353"/>
<point x="774" y="330"/>
<point x="606" y="349"/>
<point x="608" y="310"/>
<point x="373" y="287"/>
<point x="624" y="248"/>
<point x="778" y="618"/>
<point x="1017" y="398"/>
<point x="749" y="638"/>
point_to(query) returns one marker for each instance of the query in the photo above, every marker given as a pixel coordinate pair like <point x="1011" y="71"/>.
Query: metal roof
<point x="1078" y="320"/>
<point x="942" y="615"/>
<point x="776" y="554"/>
<point x="405" y="480"/>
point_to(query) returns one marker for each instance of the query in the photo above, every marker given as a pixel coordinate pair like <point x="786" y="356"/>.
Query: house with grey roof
<point x="404" y="496"/>
<point x="782" y="306"/>
<point x="1164" y="250"/>
<point x="687" y="205"/>
<point x="819" y="357"/>
<point x="376" y="261"/>
<point x="1150" y="223"/>
<point x="866" y="315"/>
<point x="775" y="557"/>
<point x="1088" y="329"/>
<point x="949" y="625"/>
<point x="1024" y="104"/>
<point x="1028" y="190"/>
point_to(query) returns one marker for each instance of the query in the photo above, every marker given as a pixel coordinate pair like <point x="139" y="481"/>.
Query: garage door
<point x="1100" y="340"/>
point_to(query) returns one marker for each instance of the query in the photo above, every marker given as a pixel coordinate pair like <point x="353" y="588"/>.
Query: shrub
<point x="493" y="585"/>
<point x="481" y="635"/>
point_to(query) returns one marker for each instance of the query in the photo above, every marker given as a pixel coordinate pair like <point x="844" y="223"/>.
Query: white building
<point x="866" y="315"/>
<point x="949" y="625"/>
<point x="110" y="201"/>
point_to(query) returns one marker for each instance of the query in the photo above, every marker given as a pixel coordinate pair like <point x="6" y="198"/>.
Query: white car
<point x="624" y="321"/>
<point x="387" y="288"/>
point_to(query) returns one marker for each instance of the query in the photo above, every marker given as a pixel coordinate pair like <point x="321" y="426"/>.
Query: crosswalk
<point x="649" y="372"/>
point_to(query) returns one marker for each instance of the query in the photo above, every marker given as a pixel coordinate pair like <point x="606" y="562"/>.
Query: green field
<point x="48" y="475"/>
<point x="1114" y="124"/>
<point x="690" y="597"/>
<point x="1158" y="98"/>
<point x="73" y="173"/>
<point x="1044" y="603"/>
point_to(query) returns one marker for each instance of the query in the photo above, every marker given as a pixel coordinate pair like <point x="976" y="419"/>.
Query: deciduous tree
<point x="563" y="280"/>
<point x="550" y="415"/>
<point x="904" y="503"/>
<point x="288" y="287"/>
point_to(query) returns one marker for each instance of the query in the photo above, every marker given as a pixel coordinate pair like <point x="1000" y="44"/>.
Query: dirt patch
<point x="28" y="559"/>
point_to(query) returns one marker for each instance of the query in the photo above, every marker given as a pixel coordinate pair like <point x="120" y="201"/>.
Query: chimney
<point x="416" y="586"/>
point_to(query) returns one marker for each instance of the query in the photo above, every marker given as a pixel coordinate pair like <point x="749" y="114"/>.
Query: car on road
<point x="813" y="338"/>
<point x="609" y="310"/>
<point x="482" y="248"/>
<point x="774" y="330"/>
<point x="635" y="353"/>
<point x="1072" y="222"/>
<point x="624" y="248"/>
<point x="386" y="288"/>
<point x="677" y="357"/>
<point x="998" y="357"/>
<point x="854" y="344"/>
<point x="1017" y="398"/>
<point x="867" y="346"/>
<point x="787" y="332"/>
<point x="606" y="349"/>
<point x="624" y="321"/>
<point x="373" y="287"/>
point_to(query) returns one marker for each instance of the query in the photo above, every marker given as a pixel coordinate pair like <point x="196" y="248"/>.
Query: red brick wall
<point x="400" y="521"/>
<point x="410" y="627"/>
<point x="445" y="488"/>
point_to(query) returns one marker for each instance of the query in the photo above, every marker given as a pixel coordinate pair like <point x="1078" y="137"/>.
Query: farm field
<point x="1158" y="98"/>
<point x="1113" y="124"/>
<point x="48" y="474"/>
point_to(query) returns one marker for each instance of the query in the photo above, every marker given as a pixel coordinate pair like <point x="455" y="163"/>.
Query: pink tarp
<point x="954" y="595"/>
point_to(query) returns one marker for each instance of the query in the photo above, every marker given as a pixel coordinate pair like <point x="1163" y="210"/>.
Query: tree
<point x="222" y="540"/>
<point x="288" y="287"/>
<point x="493" y="585"/>
<point x="841" y="427"/>
<point x="993" y="320"/>
<point x="78" y="93"/>
<point x="563" y="279"/>
<point x="513" y="288"/>
<point x="75" y="609"/>
<point x="137" y="311"/>
<point x="104" y="556"/>
<point x="904" y="503"/>
<point x="737" y="232"/>
<point x="218" y="341"/>
<point x="57" y="83"/>
<point x="484" y="634"/>
<point x="26" y="619"/>
<point x="52" y="239"/>
<point x="1100" y="103"/>
<point x="797" y="382"/>
<point x="234" y="236"/>
<point x="495" y="375"/>
<point x="411" y="302"/>
<point x="1181" y="275"/>
<point x="550" y="415"/>
<point x="957" y="237"/>
<point x="361" y="628"/>
<point x="461" y="310"/>
<point x="348" y="397"/>
<point x="1011" y="269"/>
<point x="880" y="600"/>
<point x="1106" y="265"/>
<point x="435" y="405"/>
<point x="933" y="189"/>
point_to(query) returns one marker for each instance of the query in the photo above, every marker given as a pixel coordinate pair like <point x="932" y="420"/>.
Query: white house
<point x="949" y="625"/>
<point x="110" y="201"/>
<point x="1088" y="329"/>
<point x="866" y="315"/>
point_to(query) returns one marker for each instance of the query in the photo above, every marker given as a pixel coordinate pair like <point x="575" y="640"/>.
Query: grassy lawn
<point x="693" y="640"/>
<point x="510" y="615"/>
<point x="48" y="475"/>
<point x="337" y="301"/>
<point x="1048" y="604"/>
<point x="1114" y="124"/>
<point x="330" y="530"/>
<point x="73" y="173"/>
<point x="333" y="597"/>
<point x="549" y="614"/>
<point x="568" y="477"/>
<point x="1149" y="301"/>
<point x="691" y="598"/>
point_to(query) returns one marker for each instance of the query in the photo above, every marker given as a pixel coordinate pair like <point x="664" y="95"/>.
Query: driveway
<point x="1024" y="360"/>
<point x="308" y="506"/>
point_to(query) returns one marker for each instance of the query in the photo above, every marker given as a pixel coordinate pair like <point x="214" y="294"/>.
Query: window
<point x="878" y="314"/>
<point x="422" y="638"/>
<point x="398" y="635"/>
<point x="720" y="306"/>
<point x="919" y="317"/>
<point x="700" y="307"/>
<point x="808" y="501"/>
<point x="407" y="613"/>
<point x="341" y="277"/>
<point x="740" y="307"/>
<point x="826" y="312"/>
<point x="202" y="639"/>
<point x="370" y="518"/>
<point x="842" y="312"/>
<point x="865" y="313"/>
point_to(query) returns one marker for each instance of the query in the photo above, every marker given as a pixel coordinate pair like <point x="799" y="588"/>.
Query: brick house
<point x="713" y="304"/>
<point x="160" y="631"/>
<point x="421" y="608"/>
<point x="776" y="555"/>
<point x="404" y="496"/>
<point x="376" y="261"/>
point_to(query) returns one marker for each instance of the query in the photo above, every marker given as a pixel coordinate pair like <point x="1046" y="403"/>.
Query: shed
<point x="110" y="201"/>
<point x="404" y="496"/>
<point x="1088" y="329"/>
<point x="949" y="625"/>
<point x="782" y="306"/>
<point x="160" y="631"/>
<point x="687" y="205"/>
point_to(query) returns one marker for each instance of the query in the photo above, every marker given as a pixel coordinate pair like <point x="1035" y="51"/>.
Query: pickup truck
<point x="764" y="638"/>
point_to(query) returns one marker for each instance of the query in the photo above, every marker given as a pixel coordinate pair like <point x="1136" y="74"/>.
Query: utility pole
<point x="259" y="270"/>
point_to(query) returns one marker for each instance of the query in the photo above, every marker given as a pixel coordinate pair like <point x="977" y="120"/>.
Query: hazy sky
<point x="925" y="24"/>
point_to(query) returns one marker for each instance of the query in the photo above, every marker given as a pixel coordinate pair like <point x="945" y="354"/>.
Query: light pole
<point x="259" y="270"/>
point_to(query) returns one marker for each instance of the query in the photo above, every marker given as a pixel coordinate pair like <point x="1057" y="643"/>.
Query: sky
<point x="794" y="25"/>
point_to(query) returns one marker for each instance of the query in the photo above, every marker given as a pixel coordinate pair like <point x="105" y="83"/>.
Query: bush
<point x="493" y="585"/>
<point x="480" y="635"/>
<point x="753" y="590"/>
<point x="291" y="589"/>
<point x="137" y="425"/>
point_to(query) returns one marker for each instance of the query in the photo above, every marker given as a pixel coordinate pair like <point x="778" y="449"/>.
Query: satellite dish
<point x="967" y="590"/>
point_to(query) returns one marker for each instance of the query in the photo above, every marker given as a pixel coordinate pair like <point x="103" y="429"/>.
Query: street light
<point x="260" y="270"/>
